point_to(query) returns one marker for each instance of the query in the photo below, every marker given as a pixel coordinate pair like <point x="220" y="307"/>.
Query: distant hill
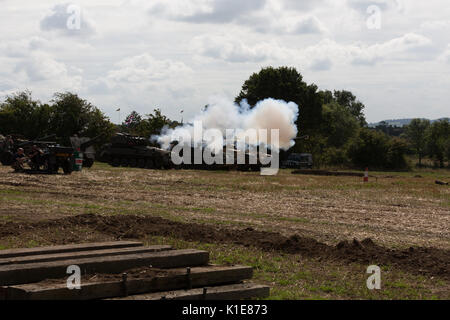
<point x="399" y="122"/>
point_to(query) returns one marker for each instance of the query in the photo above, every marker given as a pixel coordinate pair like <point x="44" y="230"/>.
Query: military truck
<point x="53" y="157"/>
<point x="131" y="151"/>
<point x="10" y="144"/>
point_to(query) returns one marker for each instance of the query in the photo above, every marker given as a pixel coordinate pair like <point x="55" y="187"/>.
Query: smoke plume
<point x="222" y="115"/>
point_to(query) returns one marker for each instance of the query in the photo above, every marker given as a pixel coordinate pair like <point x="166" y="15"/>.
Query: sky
<point x="394" y="55"/>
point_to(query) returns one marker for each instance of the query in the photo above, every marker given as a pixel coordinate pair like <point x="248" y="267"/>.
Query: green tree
<point x="338" y="125"/>
<point x="348" y="100"/>
<point x="286" y="84"/>
<point x="417" y="134"/>
<point x="132" y="122"/>
<point x="153" y="124"/>
<point x="72" y="115"/>
<point x="438" y="142"/>
<point x="377" y="150"/>
<point x="21" y="114"/>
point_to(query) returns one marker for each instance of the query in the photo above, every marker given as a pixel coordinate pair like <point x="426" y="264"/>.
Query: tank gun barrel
<point x="90" y="142"/>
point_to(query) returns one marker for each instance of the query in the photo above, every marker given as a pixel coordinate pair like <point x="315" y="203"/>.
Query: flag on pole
<point x="118" y="109"/>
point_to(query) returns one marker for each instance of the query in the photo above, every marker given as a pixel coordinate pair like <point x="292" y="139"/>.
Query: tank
<point x="227" y="163"/>
<point x="130" y="151"/>
<point x="298" y="161"/>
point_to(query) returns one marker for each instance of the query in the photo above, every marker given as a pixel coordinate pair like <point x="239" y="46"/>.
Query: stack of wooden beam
<point x="121" y="270"/>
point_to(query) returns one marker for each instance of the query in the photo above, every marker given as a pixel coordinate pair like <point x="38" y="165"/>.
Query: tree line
<point x="334" y="122"/>
<point x="67" y="115"/>
<point x="337" y="128"/>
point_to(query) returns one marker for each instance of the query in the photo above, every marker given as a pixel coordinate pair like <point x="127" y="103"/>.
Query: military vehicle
<point x="230" y="160"/>
<point x="130" y="151"/>
<point x="6" y="150"/>
<point x="53" y="157"/>
<point x="86" y="146"/>
<point x="298" y="161"/>
<point x="9" y="145"/>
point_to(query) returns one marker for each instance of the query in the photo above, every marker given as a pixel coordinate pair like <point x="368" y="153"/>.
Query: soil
<point x="418" y="260"/>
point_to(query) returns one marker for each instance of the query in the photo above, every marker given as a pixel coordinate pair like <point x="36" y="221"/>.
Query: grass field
<point x="395" y="210"/>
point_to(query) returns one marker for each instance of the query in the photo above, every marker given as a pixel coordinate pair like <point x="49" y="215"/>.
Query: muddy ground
<point x="419" y="260"/>
<point x="397" y="219"/>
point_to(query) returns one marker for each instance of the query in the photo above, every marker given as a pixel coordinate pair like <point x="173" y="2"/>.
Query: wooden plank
<point x="67" y="248"/>
<point x="176" y="279"/>
<point x="81" y="254"/>
<point x="34" y="272"/>
<point x="229" y="292"/>
<point x="3" y="293"/>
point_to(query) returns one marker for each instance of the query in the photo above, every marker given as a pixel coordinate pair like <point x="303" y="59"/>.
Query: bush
<point x="376" y="150"/>
<point x="335" y="156"/>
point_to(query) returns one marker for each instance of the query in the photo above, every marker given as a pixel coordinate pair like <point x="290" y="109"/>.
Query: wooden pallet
<point x="121" y="270"/>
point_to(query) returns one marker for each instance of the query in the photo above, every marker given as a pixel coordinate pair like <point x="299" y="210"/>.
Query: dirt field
<point x="297" y="231"/>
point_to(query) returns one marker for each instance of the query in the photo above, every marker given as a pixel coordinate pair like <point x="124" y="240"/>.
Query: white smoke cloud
<point x="224" y="115"/>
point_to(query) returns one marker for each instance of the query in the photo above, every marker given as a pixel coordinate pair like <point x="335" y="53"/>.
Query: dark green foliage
<point x="333" y="121"/>
<point x="439" y="141"/>
<point x="285" y="84"/>
<point x="66" y="116"/>
<point x="417" y="134"/>
<point x="348" y="100"/>
<point x="377" y="151"/>
<point x="72" y="115"/>
<point x="389" y="129"/>
<point x="20" y="114"/>
<point x="146" y="127"/>
<point x="338" y="124"/>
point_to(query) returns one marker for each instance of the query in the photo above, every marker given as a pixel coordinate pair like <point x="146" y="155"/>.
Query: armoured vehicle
<point x="298" y="161"/>
<point x="130" y="151"/>
<point x="230" y="160"/>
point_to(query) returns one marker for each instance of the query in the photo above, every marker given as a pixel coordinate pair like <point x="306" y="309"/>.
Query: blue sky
<point x="137" y="55"/>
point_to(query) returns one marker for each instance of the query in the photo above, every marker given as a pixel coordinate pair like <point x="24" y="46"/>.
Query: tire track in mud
<point x="416" y="260"/>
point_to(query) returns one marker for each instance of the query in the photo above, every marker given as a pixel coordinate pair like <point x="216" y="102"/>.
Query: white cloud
<point x="145" y="68"/>
<point x="230" y="49"/>
<point x="143" y="82"/>
<point x="140" y="54"/>
<point x="435" y="24"/>
<point x="260" y="15"/>
<point x="445" y="56"/>
<point x="318" y="57"/>
<point x="68" y="19"/>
